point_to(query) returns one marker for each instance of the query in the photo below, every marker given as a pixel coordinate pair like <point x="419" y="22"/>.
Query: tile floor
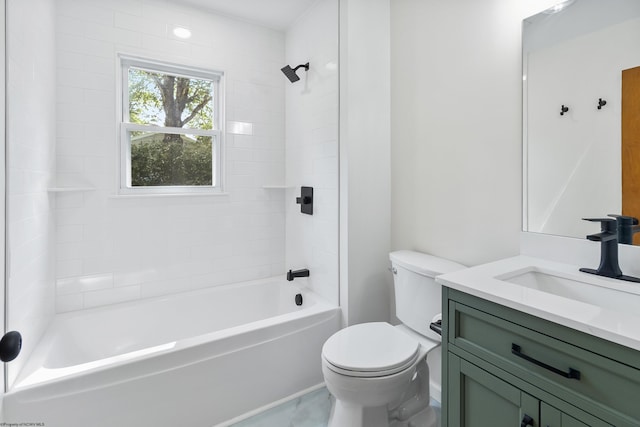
<point x="310" y="410"/>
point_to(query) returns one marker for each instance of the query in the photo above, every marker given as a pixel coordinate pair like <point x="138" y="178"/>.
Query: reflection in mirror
<point x="581" y="76"/>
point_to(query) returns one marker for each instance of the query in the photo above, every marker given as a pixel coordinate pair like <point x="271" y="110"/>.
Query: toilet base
<point x="348" y="415"/>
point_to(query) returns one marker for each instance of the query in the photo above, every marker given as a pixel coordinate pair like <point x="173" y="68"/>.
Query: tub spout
<point x="297" y="273"/>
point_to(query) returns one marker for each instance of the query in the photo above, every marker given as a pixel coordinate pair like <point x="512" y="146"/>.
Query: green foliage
<point x="164" y="100"/>
<point x="170" y="159"/>
<point x="155" y="162"/>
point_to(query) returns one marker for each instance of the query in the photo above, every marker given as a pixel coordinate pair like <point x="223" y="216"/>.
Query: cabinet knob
<point x="526" y="421"/>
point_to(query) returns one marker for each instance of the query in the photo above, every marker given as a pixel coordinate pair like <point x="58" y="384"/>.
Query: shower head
<point x="291" y="72"/>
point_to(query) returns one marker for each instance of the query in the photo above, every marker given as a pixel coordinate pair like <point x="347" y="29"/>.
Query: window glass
<point x="170" y="139"/>
<point x="168" y="100"/>
<point x="164" y="159"/>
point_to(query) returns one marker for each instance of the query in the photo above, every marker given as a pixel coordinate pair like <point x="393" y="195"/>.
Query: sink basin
<point x="575" y="289"/>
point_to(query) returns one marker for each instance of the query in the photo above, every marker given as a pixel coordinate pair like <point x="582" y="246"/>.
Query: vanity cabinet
<point x="502" y="367"/>
<point x="477" y="396"/>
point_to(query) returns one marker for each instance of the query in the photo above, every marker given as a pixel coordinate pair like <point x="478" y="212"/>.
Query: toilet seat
<point x="370" y="350"/>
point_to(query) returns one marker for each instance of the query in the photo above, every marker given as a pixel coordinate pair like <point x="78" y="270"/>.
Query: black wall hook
<point x="563" y="110"/>
<point x="601" y="103"/>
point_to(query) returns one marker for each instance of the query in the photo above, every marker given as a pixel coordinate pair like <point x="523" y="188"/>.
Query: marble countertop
<point x="615" y="317"/>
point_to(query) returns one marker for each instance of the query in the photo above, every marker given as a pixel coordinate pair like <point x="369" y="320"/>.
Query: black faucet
<point x="298" y="273"/>
<point x="608" y="238"/>
<point x="627" y="227"/>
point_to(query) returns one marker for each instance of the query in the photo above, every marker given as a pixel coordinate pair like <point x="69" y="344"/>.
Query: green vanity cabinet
<point x="503" y="367"/>
<point x="552" y="417"/>
<point x="478" y="396"/>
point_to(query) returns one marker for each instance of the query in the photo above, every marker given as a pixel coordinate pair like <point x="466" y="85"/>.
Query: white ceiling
<point x="278" y="14"/>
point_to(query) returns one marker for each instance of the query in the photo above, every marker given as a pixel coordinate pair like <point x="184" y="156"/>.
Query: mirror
<point x="581" y="103"/>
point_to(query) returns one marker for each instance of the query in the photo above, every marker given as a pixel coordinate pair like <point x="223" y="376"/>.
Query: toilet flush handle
<point x="393" y="270"/>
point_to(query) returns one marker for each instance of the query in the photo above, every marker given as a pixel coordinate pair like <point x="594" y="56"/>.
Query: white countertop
<point x="617" y="324"/>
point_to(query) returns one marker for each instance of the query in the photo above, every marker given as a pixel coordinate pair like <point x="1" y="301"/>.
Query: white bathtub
<point x="192" y="359"/>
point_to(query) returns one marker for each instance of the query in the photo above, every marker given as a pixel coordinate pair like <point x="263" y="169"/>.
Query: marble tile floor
<point x="309" y="410"/>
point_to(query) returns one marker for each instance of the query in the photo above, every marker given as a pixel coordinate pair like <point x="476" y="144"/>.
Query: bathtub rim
<point x="189" y="292"/>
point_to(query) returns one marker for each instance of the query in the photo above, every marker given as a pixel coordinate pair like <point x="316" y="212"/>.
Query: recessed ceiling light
<point x="559" y="7"/>
<point x="182" y="32"/>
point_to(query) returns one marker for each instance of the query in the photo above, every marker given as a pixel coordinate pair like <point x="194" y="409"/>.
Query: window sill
<point x="161" y="195"/>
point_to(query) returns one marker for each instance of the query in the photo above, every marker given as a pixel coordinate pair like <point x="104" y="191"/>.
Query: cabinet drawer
<point x="546" y="362"/>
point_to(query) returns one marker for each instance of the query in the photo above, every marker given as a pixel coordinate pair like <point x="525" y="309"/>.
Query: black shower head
<point x="291" y="72"/>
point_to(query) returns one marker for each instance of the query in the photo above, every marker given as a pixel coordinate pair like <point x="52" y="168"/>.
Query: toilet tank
<point x="418" y="296"/>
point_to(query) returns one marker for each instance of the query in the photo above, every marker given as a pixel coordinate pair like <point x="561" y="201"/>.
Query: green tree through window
<point x="168" y="119"/>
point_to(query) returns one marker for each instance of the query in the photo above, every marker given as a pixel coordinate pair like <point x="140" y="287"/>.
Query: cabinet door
<point x="553" y="417"/>
<point x="479" y="399"/>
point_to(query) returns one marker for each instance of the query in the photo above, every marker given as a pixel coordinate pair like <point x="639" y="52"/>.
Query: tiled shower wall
<point x="30" y="141"/>
<point x="115" y="248"/>
<point x="312" y="146"/>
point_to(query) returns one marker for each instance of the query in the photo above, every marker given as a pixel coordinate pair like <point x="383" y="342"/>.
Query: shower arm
<point x="306" y="67"/>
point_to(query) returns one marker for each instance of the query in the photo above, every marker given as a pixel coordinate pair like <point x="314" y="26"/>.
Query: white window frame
<point x="217" y="133"/>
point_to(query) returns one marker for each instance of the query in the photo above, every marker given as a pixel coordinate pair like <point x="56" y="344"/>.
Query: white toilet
<point x="379" y="374"/>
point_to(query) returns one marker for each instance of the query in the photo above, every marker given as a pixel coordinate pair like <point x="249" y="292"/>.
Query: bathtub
<point x="193" y="359"/>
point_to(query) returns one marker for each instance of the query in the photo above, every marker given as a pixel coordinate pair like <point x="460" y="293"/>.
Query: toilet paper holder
<point x="436" y="324"/>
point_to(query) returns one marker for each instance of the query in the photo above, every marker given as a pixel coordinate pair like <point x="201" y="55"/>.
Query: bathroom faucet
<point x="608" y="238"/>
<point x="297" y="273"/>
<point x="627" y="227"/>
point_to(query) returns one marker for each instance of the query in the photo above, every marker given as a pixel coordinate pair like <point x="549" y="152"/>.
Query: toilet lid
<point x="370" y="349"/>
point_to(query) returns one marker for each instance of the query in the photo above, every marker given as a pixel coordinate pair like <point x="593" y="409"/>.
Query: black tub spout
<point x="297" y="273"/>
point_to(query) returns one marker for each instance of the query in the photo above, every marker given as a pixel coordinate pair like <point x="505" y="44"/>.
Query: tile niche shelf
<point x="68" y="189"/>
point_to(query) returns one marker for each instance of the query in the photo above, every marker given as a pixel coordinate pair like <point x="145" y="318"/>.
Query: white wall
<point x="30" y="140"/>
<point x="111" y="249"/>
<point x="312" y="147"/>
<point x="574" y="167"/>
<point x="365" y="283"/>
<point x="3" y="168"/>
<point x="456" y="127"/>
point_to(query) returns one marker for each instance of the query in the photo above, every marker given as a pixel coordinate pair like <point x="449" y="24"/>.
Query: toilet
<point x="383" y="375"/>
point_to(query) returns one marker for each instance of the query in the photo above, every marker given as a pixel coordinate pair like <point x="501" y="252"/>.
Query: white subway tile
<point x="72" y="302"/>
<point x="127" y="21"/>
<point x="111" y="296"/>
<point x="69" y="164"/>
<point x="69" y="233"/>
<point x="100" y="65"/>
<point x="69" y="60"/>
<point x="69" y="251"/>
<point x="70" y="25"/>
<point x="100" y="32"/>
<point x="68" y="268"/>
<point x="68" y="286"/>
<point x="128" y="38"/>
<point x="69" y="200"/>
<point x="239" y="128"/>
<point x="87" y="12"/>
<point x="131" y="7"/>
<point x="95" y="282"/>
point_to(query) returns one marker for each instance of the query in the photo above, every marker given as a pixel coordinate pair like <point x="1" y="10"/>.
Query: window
<point x="170" y="132"/>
